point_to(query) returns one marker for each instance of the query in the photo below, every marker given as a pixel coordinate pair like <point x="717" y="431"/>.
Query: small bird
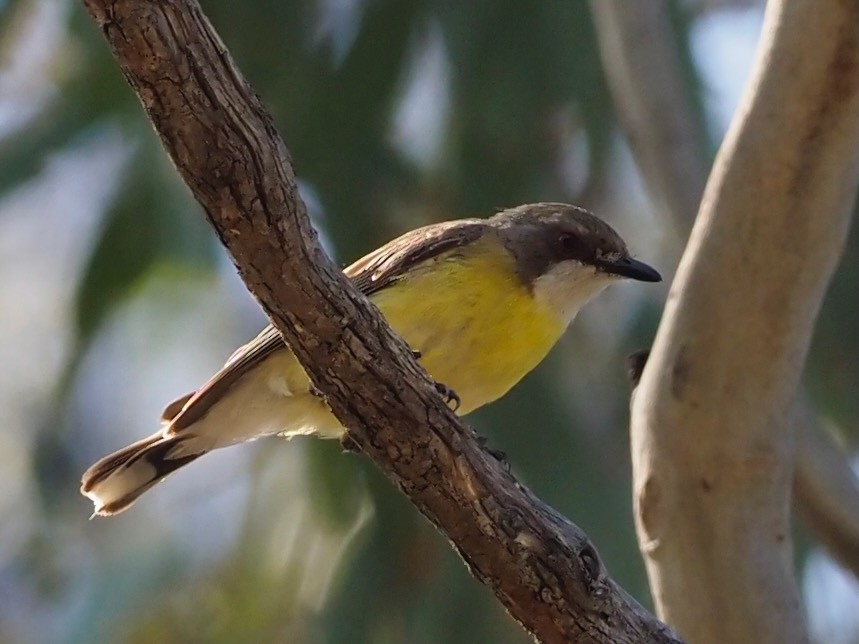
<point x="481" y="301"/>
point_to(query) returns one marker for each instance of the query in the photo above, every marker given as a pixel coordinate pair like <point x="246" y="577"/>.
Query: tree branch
<point x="639" y="54"/>
<point x="644" y="70"/>
<point x="711" y="431"/>
<point x="540" y="566"/>
<point x="825" y="489"/>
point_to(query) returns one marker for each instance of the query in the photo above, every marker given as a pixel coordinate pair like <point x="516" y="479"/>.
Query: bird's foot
<point x="450" y="396"/>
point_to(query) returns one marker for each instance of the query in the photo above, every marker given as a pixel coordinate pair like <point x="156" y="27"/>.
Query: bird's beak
<point x="633" y="269"/>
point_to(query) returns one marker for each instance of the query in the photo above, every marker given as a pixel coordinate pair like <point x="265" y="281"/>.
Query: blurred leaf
<point x="123" y="586"/>
<point x="335" y="482"/>
<point x="516" y="67"/>
<point x="145" y="226"/>
<point x="95" y="91"/>
<point x="682" y="21"/>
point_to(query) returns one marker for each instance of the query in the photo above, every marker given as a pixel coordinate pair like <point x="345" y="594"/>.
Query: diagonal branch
<point x="643" y="65"/>
<point x="539" y="565"/>
<point x="712" y="431"/>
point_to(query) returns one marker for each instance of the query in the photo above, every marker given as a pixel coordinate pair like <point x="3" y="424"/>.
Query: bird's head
<point x="566" y="255"/>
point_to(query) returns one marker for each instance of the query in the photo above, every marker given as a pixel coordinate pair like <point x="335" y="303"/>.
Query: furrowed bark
<point x="712" y="429"/>
<point x="644" y="70"/>
<point x="539" y="565"/>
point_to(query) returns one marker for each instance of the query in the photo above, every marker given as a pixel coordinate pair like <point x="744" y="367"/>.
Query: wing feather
<point x="370" y="274"/>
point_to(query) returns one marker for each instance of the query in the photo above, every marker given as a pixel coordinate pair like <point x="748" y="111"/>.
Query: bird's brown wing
<point x="369" y="274"/>
<point x="387" y="264"/>
<point x="190" y="408"/>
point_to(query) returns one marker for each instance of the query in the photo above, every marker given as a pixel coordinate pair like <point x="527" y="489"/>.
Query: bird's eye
<point x="569" y="242"/>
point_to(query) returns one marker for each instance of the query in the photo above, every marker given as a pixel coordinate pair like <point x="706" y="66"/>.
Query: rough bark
<point x="711" y="430"/>
<point x="643" y="66"/>
<point x="540" y="566"/>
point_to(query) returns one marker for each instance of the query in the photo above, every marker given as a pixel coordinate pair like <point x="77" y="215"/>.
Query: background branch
<point x="540" y="566"/>
<point x="711" y="478"/>
<point x="642" y="63"/>
<point x="825" y="488"/>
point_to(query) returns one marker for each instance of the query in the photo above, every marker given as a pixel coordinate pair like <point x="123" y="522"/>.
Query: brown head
<point x="565" y="254"/>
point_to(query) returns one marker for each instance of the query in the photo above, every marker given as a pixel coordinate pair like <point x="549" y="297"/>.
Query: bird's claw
<point x="449" y="395"/>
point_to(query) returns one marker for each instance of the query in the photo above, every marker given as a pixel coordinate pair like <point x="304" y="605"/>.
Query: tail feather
<point x="117" y="480"/>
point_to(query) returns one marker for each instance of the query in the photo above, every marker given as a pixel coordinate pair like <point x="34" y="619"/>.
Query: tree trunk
<point x="643" y="66"/>
<point x="713" y="445"/>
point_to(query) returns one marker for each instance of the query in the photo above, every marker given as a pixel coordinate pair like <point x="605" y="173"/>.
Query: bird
<point x="480" y="301"/>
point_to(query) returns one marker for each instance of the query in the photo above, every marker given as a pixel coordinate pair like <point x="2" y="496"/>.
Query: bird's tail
<point x="117" y="480"/>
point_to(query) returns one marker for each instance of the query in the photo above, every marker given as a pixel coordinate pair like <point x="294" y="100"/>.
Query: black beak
<point x="633" y="269"/>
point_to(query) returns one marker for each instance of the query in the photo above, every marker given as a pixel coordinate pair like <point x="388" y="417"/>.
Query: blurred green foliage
<point x="524" y="84"/>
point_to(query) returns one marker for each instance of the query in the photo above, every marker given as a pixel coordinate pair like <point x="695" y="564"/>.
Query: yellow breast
<point x="476" y="325"/>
